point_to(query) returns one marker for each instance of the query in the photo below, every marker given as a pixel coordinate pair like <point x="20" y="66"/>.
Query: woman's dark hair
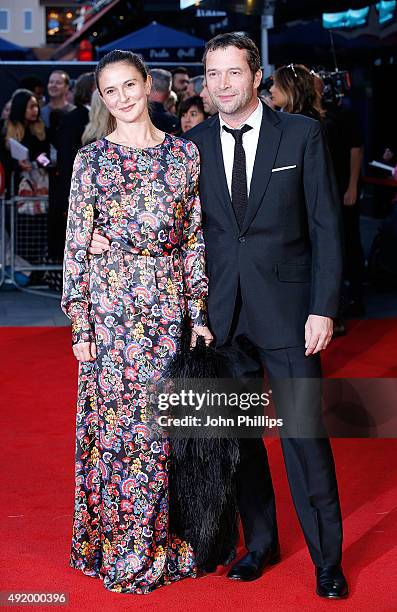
<point x="84" y="88"/>
<point x="297" y="84"/>
<point x="16" y="123"/>
<point x="233" y="39"/>
<point x="116" y="56"/>
<point x="19" y="103"/>
<point x="186" y="104"/>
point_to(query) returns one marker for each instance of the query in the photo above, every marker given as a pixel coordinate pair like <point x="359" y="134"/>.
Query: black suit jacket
<point x="68" y="142"/>
<point x="287" y="256"/>
<point x="162" y="119"/>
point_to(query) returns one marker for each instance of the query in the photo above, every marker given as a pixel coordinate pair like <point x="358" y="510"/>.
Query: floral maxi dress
<point x="131" y="301"/>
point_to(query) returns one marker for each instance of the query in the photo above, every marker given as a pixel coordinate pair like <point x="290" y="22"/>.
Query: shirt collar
<point x="254" y="120"/>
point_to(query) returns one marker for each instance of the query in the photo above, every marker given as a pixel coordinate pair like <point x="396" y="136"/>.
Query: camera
<point x="336" y="84"/>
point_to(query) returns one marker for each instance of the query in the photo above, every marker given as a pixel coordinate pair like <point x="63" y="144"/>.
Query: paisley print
<point x="131" y="301"/>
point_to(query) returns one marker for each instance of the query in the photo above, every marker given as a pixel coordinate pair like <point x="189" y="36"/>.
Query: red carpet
<point x="38" y="386"/>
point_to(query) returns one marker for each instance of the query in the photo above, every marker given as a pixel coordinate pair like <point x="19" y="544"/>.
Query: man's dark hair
<point x="31" y="82"/>
<point x="84" y="88"/>
<point x="187" y="103"/>
<point x="233" y="39"/>
<point x="180" y="70"/>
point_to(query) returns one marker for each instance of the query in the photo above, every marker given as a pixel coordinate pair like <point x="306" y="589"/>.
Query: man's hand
<point x="198" y="330"/>
<point x="350" y="197"/>
<point x="85" y="351"/>
<point x="98" y="244"/>
<point x="318" y="333"/>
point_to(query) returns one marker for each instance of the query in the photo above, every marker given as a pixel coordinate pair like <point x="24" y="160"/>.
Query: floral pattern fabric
<point x="130" y="301"/>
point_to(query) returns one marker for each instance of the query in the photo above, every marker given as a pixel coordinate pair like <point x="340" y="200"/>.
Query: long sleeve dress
<point x="131" y="301"/>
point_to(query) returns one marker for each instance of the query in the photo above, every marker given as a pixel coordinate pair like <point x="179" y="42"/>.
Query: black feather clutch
<point x="203" y="509"/>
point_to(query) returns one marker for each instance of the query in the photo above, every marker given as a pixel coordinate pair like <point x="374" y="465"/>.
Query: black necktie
<point x="239" y="174"/>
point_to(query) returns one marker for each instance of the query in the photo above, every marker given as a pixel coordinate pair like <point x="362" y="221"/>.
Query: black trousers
<point x="309" y="461"/>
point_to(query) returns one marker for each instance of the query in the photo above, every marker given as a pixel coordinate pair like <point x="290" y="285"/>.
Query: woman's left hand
<point x="201" y="330"/>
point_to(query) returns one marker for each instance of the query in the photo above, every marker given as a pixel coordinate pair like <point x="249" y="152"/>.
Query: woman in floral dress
<point x="140" y="187"/>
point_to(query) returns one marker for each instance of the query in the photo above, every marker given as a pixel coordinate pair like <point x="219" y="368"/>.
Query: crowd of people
<point x="54" y="120"/>
<point x="54" y="126"/>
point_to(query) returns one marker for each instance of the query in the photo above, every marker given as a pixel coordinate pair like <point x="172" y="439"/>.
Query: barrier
<point x="26" y="250"/>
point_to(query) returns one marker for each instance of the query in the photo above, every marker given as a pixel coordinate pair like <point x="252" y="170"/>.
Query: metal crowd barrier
<point x="26" y="249"/>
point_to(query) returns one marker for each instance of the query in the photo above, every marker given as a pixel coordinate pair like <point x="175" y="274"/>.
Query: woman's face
<point x="124" y="92"/>
<point x="278" y="96"/>
<point x="6" y="110"/>
<point x="32" y="110"/>
<point x="192" y="117"/>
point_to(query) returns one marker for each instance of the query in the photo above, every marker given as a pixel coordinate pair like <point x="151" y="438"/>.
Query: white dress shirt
<point x="250" y="143"/>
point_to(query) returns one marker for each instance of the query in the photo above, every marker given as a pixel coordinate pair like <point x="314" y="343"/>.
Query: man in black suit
<point x="272" y="233"/>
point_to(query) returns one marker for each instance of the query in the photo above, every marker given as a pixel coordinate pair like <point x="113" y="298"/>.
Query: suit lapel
<point x="268" y="143"/>
<point x="216" y="169"/>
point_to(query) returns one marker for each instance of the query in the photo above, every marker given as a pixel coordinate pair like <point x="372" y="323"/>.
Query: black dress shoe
<point x="252" y="565"/>
<point x="331" y="582"/>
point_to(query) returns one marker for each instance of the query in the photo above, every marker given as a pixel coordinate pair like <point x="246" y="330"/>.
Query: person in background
<point x="209" y="106"/>
<point x="58" y="88"/>
<point x="25" y="125"/>
<point x="68" y="142"/>
<point x="266" y="97"/>
<point x="294" y="92"/>
<point x="191" y="112"/>
<point x="30" y="175"/>
<point x="54" y="112"/>
<point x="389" y="155"/>
<point x="171" y="103"/>
<point x="98" y="124"/>
<point x="36" y="86"/>
<point x="71" y="92"/>
<point x="161" y="88"/>
<point x="345" y="141"/>
<point x="5" y="157"/>
<point x="6" y="110"/>
<point x="180" y="81"/>
<point x="195" y="86"/>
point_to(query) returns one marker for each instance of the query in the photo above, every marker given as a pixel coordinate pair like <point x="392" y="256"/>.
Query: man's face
<point x="56" y="85"/>
<point x="208" y="104"/>
<point x="180" y="82"/>
<point x="230" y="82"/>
<point x="190" y="90"/>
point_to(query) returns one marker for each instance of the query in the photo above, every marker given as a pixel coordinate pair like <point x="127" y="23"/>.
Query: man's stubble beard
<point x="234" y="107"/>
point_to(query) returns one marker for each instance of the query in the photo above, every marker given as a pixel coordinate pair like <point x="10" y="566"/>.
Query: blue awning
<point x="9" y="50"/>
<point x="158" y="42"/>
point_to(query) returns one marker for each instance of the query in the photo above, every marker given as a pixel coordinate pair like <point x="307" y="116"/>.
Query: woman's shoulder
<point x="92" y="148"/>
